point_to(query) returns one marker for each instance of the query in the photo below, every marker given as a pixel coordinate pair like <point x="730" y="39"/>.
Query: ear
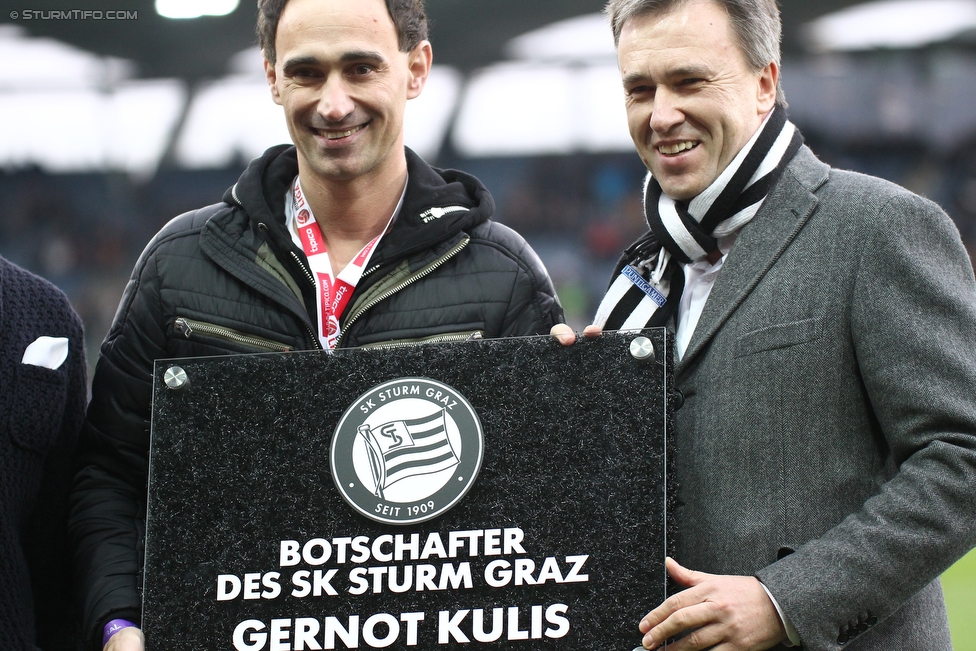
<point x="766" y="89"/>
<point x="419" y="61"/>
<point x="271" y="77"/>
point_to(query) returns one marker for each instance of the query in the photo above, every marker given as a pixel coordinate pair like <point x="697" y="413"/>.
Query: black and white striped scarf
<point x="648" y="280"/>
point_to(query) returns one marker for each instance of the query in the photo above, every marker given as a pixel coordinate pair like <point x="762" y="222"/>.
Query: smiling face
<point x="692" y="101"/>
<point x="344" y="84"/>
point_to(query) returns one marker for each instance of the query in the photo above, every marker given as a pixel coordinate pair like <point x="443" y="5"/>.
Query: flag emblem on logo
<point x="407" y="450"/>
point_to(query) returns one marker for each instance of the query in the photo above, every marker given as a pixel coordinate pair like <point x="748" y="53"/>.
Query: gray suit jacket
<point x="827" y="440"/>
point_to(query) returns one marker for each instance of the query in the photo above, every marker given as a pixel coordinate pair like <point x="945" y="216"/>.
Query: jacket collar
<point x="760" y="244"/>
<point x="437" y="206"/>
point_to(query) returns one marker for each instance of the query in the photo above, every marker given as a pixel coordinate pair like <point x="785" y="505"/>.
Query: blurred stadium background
<point x="116" y="119"/>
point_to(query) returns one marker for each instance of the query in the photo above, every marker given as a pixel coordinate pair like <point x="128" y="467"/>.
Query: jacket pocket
<point x="37" y="407"/>
<point x="447" y="337"/>
<point x="215" y="334"/>
<point x="780" y="335"/>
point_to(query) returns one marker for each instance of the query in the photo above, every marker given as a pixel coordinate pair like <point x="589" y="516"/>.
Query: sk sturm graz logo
<point x="407" y="450"/>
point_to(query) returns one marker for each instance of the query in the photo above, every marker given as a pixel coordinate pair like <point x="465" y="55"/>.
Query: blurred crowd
<point x="84" y="232"/>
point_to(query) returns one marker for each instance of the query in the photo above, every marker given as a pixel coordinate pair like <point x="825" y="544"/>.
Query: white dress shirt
<point x="699" y="280"/>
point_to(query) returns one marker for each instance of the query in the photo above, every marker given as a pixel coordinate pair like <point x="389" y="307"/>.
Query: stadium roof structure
<point x="129" y="90"/>
<point x="467" y="34"/>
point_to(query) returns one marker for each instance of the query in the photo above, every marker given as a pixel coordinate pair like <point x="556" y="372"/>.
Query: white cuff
<point x="794" y="637"/>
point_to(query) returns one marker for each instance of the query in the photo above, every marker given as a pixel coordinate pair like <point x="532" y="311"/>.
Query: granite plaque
<point x="498" y="494"/>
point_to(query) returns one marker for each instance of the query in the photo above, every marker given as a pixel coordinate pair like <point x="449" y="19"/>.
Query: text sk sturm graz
<point x="351" y="566"/>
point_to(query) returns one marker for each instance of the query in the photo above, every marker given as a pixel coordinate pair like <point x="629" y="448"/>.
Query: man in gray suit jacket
<point x="825" y="325"/>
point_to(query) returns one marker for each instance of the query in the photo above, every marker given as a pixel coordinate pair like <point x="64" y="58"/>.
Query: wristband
<point x="114" y="627"/>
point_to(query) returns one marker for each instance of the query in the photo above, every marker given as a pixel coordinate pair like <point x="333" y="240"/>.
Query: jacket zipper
<point x="312" y="337"/>
<point x="308" y="275"/>
<point x="474" y="335"/>
<point x="188" y="326"/>
<point x="400" y="285"/>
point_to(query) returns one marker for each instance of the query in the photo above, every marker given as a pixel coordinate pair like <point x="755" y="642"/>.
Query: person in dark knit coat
<point x="42" y="406"/>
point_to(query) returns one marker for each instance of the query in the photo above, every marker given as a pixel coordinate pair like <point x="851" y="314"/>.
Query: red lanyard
<point x="333" y="291"/>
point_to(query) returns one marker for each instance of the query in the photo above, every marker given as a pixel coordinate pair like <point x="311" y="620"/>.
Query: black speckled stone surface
<point x="575" y="457"/>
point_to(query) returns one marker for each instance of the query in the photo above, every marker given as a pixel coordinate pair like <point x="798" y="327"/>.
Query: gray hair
<point x="756" y="23"/>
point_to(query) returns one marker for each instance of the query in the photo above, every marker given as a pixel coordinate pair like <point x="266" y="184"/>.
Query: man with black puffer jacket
<point x="347" y="239"/>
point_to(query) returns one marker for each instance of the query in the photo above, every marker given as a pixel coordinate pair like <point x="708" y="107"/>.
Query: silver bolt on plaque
<point x="642" y="349"/>
<point x="175" y="378"/>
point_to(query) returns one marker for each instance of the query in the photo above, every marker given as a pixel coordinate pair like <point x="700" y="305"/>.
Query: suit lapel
<point x="760" y="244"/>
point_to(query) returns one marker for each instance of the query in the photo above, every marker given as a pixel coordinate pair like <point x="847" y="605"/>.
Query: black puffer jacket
<point x="228" y="279"/>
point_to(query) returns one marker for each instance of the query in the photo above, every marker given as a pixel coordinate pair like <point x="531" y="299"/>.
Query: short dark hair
<point x="408" y="18"/>
<point x="757" y="25"/>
